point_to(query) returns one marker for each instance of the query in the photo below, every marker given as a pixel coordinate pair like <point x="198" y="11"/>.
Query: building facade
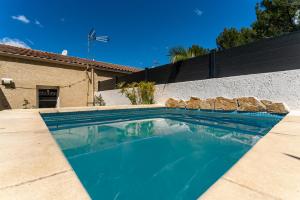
<point x="36" y="79"/>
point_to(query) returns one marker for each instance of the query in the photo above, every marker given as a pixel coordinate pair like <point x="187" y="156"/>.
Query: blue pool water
<point x="154" y="153"/>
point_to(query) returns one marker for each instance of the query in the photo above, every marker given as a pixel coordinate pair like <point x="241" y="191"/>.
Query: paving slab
<point x="226" y="190"/>
<point x="271" y="168"/>
<point x="61" y="186"/>
<point x="32" y="165"/>
<point x="288" y="128"/>
<point x="29" y="156"/>
<point x="21" y="122"/>
<point x="78" y="109"/>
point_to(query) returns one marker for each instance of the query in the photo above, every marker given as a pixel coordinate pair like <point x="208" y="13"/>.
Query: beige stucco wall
<point x="73" y="83"/>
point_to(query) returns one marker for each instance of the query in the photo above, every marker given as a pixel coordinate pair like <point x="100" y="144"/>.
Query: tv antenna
<point x="92" y="37"/>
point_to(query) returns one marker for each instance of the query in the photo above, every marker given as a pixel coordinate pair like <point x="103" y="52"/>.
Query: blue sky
<point x="141" y="31"/>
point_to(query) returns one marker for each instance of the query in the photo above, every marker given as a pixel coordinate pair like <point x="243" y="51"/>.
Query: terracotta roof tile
<point x="29" y="53"/>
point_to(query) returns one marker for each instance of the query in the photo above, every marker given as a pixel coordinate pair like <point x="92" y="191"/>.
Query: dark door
<point x="48" y="98"/>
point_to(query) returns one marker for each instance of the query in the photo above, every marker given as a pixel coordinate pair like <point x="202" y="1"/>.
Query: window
<point x="47" y="97"/>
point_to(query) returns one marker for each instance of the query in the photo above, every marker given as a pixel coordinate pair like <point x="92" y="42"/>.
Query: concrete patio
<point x="32" y="165"/>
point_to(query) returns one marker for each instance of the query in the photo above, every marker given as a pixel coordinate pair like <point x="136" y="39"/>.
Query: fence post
<point x="212" y="63"/>
<point x="146" y="73"/>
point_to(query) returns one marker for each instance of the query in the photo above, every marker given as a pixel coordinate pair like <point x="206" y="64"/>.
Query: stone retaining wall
<point x="243" y="104"/>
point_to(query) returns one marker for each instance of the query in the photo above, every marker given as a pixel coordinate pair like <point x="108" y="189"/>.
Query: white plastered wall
<point x="281" y="86"/>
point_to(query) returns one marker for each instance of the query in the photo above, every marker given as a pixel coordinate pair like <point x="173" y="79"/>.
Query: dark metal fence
<point x="267" y="55"/>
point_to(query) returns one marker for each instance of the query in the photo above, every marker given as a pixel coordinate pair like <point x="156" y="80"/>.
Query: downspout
<point x="88" y="85"/>
<point x="93" y="85"/>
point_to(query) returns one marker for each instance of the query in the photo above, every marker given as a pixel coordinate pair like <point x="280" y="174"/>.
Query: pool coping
<point x="270" y="170"/>
<point x="32" y="165"/>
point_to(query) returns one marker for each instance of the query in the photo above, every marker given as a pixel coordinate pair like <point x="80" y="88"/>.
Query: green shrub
<point x="99" y="101"/>
<point x="146" y="92"/>
<point x="138" y="93"/>
<point x="130" y="91"/>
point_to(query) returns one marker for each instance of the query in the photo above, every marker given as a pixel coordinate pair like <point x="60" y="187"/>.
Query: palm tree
<point x="179" y="53"/>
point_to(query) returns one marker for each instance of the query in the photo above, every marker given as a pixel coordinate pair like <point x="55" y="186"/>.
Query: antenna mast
<point x="92" y="37"/>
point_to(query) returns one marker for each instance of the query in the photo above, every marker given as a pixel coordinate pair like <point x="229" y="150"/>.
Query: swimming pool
<point x="156" y="153"/>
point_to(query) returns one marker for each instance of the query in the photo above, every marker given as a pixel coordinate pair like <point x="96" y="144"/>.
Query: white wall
<point x="114" y="97"/>
<point x="276" y="86"/>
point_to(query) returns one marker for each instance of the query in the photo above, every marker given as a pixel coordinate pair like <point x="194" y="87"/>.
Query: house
<point x="37" y="79"/>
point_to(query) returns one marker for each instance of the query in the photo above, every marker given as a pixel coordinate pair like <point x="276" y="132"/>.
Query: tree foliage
<point x="233" y="37"/>
<point x="274" y="17"/>
<point x="180" y="53"/>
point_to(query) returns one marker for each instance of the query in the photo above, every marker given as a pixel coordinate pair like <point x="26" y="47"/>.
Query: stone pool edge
<point x="270" y="170"/>
<point x="32" y="165"/>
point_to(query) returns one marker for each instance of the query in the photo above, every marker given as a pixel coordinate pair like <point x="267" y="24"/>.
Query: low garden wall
<point x="281" y="86"/>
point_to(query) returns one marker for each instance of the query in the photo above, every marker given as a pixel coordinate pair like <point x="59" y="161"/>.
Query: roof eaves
<point x="57" y="58"/>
